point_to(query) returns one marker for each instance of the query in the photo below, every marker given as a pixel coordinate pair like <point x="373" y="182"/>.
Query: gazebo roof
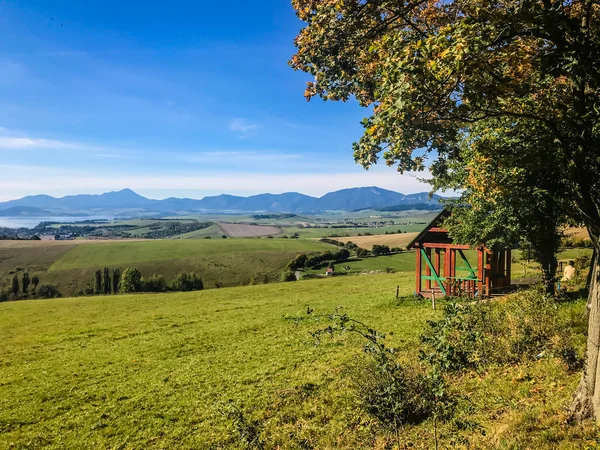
<point x="433" y="232"/>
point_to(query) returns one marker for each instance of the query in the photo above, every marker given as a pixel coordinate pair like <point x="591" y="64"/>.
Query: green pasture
<point x="158" y="371"/>
<point x="319" y="232"/>
<point x="121" y="253"/>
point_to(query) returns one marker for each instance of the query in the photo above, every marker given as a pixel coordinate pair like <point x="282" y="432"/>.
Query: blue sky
<point x="169" y="99"/>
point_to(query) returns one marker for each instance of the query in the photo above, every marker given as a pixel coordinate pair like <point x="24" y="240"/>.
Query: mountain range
<point x="129" y="203"/>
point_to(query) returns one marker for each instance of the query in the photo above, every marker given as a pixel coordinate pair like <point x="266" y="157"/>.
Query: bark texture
<point x="587" y="397"/>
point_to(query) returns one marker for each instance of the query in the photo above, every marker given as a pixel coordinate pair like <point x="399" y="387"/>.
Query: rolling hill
<point x="127" y="202"/>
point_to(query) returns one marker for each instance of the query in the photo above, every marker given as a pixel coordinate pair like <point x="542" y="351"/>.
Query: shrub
<point x="187" y="281"/>
<point x="298" y="262"/>
<point x="473" y="335"/>
<point x="362" y="252"/>
<point x="131" y="281"/>
<point x="47" y="291"/>
<point x="380" y="250"/>
<point x="288" y="275"/>
<point x="156" y="283"/>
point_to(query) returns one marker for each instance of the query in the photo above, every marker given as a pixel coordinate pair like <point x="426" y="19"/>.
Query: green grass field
<point x="153" y="371"/>
<point x="230" y="262"/>
<point x="317" y="233"/>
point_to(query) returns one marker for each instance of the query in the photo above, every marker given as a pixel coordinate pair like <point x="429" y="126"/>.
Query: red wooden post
<point x="436" y="262"/>
<point x="418" y="288"/>
<point x="447" y="271"/>
<point x="428" y="269"/>
<point x="480" y="270"/>
<point x="453" y="271"/>
<point x="488" y="274"/>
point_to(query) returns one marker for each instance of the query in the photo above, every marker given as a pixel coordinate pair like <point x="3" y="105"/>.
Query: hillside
<point x="70" y="265"/>
<point x="162" y="371"/>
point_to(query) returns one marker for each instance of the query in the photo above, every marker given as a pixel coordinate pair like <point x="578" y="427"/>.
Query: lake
<point x="32" y="222"/>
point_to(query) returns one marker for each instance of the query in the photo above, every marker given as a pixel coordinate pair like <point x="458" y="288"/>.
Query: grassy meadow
<point x="71" y="264"/>
<point x="157" y="371"/>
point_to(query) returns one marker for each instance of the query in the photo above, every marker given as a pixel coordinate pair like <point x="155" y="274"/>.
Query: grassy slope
<point x="391" y="240"/>
<point x="227" y="261"/>
<point x="149" y="371"/>
<point x="212" y="231"/>
<point x="351" y="231"/>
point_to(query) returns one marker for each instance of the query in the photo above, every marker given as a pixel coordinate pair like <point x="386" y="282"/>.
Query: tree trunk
<point x="549" y="265"/>
<point x="587" y="397"/>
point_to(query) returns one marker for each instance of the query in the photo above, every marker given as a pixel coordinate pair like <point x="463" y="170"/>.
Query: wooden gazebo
<point x="439" y="272"/>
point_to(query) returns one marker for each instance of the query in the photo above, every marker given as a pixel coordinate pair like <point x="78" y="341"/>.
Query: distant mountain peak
<point x="126" y="201"/>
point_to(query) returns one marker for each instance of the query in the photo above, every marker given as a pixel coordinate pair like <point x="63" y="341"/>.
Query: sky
<point x="179" y="98"/>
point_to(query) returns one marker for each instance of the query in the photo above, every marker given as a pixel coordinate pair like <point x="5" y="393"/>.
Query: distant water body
<point x="32" y="222"/>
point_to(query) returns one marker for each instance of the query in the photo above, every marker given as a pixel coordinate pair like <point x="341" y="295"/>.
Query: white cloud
<point x="243" y="127"/>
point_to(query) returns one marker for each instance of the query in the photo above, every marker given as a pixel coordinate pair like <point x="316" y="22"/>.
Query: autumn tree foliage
<point x="499" y="98"/>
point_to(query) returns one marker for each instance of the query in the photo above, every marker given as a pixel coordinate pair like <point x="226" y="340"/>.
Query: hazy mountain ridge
<point x="127" y="201"/>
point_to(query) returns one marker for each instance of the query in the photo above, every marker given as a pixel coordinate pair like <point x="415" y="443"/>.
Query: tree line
<point x="131" y="281"/>
<point x="28" y="287"/>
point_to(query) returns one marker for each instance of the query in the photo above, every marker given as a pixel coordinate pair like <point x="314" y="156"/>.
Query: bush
<point x="131" y="281"/>
<point x="156" y="283"/>
<point x="391" y="393"/>
<point x="47" y="291"/>
<point x="362" y="252"/>
<point x="288" y="275"/>
<point x="380" y="250"/>
<point x="527" y="326"/>
<point x="186" y="282"/>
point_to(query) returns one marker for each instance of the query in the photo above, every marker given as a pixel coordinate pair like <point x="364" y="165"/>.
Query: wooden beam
<point x="480" y="270"/>
<point x="428" y="269"/>
<point x="418" y="288"/>
<point x="488" y="273"/>
<point x="437" y="230"/>
<point x="436" y="262"/>
<point x="446" y="246"/>
<point x="447" y="273"/>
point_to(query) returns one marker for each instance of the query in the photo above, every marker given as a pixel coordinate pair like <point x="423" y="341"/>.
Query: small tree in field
<point x="35" y="281"/>
<point x="187" y="281"/>
<point x="98" y="282"/>
<point x="131" y="281"/>
<point x="15" y="285"/>
<point x="116" y="278"/>
<point x="106" y="282"/>
<point x="26" y="281"/>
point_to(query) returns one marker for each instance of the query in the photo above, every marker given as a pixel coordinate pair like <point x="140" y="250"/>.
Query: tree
<point x="25" y="281"/>
<point x="15" y="285"/>
<point x="131" y="281"/>
<point x="35" y="281"/>
<point x="362" y="252"/>
<point x="98" y="282"/>
<point x="156" y="283"/>
<point x="48" y="291"/>
<point x="106" y="284"/>
<point x="380" y="250"/>
<point x="445" y="77"/>
<point x="187" y="281"/>
<point x="116" y="278"/>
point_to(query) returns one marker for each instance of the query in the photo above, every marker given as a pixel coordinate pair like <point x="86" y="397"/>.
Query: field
<point x="237" y="230"/>
<point x="400" y="240"/>
<point x="71" y="264"/>
<point x="158" y="371"/>
<point x="338" y="231"/>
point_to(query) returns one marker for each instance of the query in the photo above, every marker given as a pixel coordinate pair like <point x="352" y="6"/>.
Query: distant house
<point x="330" y="271"/>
